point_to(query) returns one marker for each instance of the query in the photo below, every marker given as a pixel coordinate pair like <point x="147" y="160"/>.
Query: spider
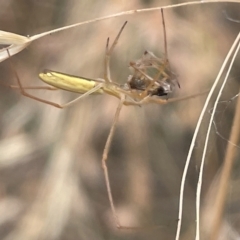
<point x="151" y="79"/>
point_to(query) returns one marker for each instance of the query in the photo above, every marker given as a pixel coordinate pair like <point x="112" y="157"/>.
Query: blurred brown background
<point x="51" y="181"/>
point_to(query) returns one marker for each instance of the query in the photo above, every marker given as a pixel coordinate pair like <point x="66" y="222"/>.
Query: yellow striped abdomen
<point x="68" y="82"/>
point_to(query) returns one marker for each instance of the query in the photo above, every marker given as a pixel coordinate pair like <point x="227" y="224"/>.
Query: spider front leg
<point x="107" y="75"/>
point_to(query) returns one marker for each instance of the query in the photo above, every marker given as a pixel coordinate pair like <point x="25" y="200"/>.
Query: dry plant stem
<point x="225" y="175"/>
<point x="129" y="13"/>
<point x="17" y="46"/>
<point x="195" y="136"/>
<point x="198" y="198"/>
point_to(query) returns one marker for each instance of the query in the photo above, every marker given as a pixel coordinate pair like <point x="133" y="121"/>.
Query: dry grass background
<point x="51" y="181"/>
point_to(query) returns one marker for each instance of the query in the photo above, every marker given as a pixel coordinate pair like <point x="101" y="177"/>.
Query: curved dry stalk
<point x="225" y="175"/>
<point x="195" y="136"/>
<point x="129" y="13"/>
<point x="217" y="220"/>
<point x="18" y="43"/>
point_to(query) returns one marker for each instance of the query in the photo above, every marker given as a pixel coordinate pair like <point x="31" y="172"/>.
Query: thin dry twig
<point x="206" y="145"/>
<point x="225" y="175"/>
<point x="18" y="43"/>
<point x="195" y="136"/>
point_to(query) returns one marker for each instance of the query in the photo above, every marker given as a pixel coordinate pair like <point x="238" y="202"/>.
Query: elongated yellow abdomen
<point x="69" y="82"/>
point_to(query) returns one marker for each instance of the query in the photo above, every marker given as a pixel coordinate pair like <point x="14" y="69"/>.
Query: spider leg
<point x="105" y="168"/>
<point x="165" y="101"/>
<point x="149" y="99"/>
<point x="107" y="75"/>
<point x="163" y="64"/>
<point x="24" y="93"/>
<point x="164" y="36"/>
<point x="104" y="161"/>
<point x="29" y="87"/>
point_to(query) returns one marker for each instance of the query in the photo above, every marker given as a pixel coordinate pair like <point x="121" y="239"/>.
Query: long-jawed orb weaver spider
<point x="152" y="78"/>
